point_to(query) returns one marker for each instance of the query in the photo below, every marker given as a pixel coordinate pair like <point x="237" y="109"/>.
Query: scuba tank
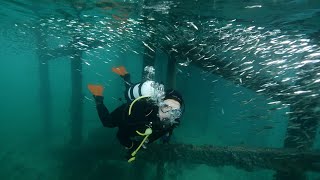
<point x="147" y="88"/>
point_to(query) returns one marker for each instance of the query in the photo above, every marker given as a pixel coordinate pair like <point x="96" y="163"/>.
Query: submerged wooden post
<point x="160" y="170"/>
<point x="76" y="98"/>
<point x="149" y="52"/>
<point x="76" y="80"/>
<point x="44" y="87"/>
<point x="149" y="56"/>
<point x="303" y="119"/>
<point x="171" y="73"/>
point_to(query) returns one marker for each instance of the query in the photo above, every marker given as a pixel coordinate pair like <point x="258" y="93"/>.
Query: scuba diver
<point x="150" y="113"/>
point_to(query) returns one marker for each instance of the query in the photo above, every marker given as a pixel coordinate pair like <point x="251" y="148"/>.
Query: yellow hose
<point x="141" y="97"/>
<point x="147" y="132"/>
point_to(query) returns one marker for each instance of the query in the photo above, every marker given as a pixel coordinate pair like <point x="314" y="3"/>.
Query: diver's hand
<point x="166" y="138"/>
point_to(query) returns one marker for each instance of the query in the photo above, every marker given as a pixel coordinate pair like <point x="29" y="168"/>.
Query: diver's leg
<point x="127" y="84"/>
<point x="106" y="119"/>
<point x="127" y="80"/>
<point x="123" y="73"/>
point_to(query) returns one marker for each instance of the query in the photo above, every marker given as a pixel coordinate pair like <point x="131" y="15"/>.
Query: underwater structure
<point x="290" y="162"/>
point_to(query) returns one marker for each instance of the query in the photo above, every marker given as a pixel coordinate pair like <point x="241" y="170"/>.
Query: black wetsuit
<point x="143" y="115"/>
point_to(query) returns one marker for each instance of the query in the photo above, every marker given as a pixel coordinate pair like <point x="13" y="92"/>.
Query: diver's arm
<point x="153" y="137"/>
<point x="124" y="138"/>
<point x="165" y="139"/>
<point x="103" y="112"/>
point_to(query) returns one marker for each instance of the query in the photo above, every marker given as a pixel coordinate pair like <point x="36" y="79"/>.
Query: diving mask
<point x="173" y="113"/>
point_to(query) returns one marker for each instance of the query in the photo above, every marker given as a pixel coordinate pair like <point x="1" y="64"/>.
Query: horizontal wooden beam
<point x="249" y="159"/>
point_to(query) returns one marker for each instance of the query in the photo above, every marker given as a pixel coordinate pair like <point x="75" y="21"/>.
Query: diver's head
<point x="175" y="95"/>
<point x="171" y="108"/>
